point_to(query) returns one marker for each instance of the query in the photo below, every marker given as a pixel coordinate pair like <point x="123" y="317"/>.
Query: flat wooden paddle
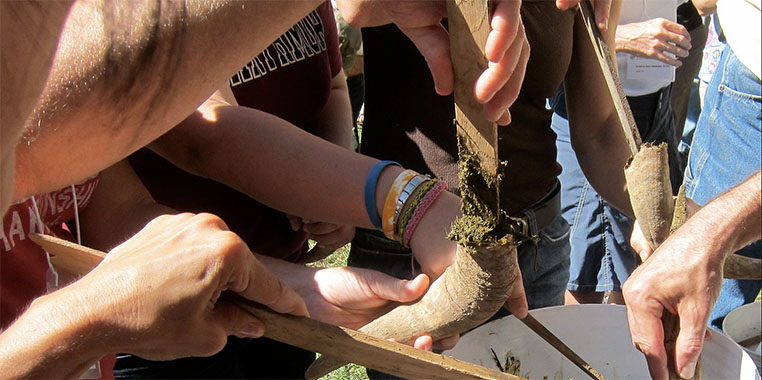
<point x="309" y="334"/>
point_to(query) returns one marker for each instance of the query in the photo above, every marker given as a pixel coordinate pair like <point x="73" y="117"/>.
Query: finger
<point x="498" y="73"/>
<point x="648" y="337"/>
<point x="393" y="289"/>
<point x="424" y="342"/>
<point x="504" y="26"/>
<point x="265" y="288"/>
<point x="566" y="4"/>
<point x="679" y="34"/>
<point x="517" y="302"/>
<point x="639" y="243"/>
<point x="602" y="8"/>
<point x="237" y="321"/>
<point x="295" y="222"/>
<point x="690" y="340"/>
<point x="508" y="94"/>
<point x="320" y="228"/>
<point x="446" y="343"/>
<point x="505" y="119"/>
<point x="667" y="59"/>
<point x="434" y="44"/>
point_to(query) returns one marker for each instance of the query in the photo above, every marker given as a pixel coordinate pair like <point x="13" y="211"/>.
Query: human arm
<point x="333" y="123"/>
<point x="684" y="276"/>
<point x="705" y="7"/>
<point x="119" y="207"/>
<point x="125" y="73"/>
<point x="595" y="129"/>
<point x="653" y="38"/>
<point x="29" y="35"/>
<point x="144" y="298"/>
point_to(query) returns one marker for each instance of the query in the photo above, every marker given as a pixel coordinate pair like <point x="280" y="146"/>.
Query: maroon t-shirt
<point x="291" y="79"/>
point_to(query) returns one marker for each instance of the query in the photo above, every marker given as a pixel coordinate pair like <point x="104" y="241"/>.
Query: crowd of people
<point x="203" y="145"/>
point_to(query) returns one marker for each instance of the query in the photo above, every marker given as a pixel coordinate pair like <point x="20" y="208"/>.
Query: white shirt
<point x="642" y="76"/>
<point x="740" y="21"/>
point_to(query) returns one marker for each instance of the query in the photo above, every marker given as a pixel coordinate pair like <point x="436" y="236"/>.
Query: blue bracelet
<point x="370" y="191"/>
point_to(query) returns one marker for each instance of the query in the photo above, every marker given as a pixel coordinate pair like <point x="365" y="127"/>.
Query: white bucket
<point x="597" y="333"/>
<point x="744" y="323"/>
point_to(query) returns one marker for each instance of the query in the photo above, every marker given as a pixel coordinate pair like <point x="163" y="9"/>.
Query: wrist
<point x="53" y="338"/>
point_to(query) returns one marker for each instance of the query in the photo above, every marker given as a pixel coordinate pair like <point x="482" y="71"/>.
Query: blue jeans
<point x="725" y="151"/>
<point x="601" y="256"/>
<point x="545" y="270"/>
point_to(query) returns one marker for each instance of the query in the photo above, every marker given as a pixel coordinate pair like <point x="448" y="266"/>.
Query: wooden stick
<point x="468" y="22"/>
<point x="553" y="340"/>
<point x="309" y="334"/>
<point x="618" y="96"/>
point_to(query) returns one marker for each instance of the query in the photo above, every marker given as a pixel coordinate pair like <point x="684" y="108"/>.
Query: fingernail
<point x="688" y="371"/>
<point x="251" y="330"/>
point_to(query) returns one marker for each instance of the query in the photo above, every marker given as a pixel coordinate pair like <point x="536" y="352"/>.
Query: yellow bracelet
<point x="390" y="204"/>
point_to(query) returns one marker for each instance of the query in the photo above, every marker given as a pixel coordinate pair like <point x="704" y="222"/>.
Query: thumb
<point x="690" y="340"/>
<point x="393" y="289"/>
<point x="236" y="321"/>
<point x="517" y="301"/>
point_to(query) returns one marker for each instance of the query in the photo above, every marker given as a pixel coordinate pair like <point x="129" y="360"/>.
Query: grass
<point x="349" y="371"/>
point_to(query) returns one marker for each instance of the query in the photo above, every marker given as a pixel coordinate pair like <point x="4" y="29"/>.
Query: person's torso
<point x="24" y="270"/>
<point x="406" y="121"/>
<point x="642" y="76"/>
<point x="291" y="79"/>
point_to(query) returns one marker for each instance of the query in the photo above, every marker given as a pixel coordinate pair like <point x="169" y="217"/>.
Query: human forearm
<point x="596" y="131"/>
<point x="334" y="122"/>
<point x="131" y="81"/>
<point x="363" y="13"/>
<point x="732" y="220"/>
<point x="54" y="338"/>
<point x="119" y="207"/>
<point x="283" y="166"/>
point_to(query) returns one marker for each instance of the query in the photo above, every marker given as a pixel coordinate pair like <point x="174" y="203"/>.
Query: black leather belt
<point x="540" y="214"/>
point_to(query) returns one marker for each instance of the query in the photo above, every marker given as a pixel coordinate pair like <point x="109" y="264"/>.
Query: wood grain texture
<point x="469" y="25"/>
<point x="309" y="334"/>
<point x="618" y="96"/>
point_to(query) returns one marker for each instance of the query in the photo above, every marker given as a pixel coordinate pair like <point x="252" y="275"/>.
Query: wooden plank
<point x="312" y="335"/>
<point x="612" y="79"/>
<point x="469" y="26"/>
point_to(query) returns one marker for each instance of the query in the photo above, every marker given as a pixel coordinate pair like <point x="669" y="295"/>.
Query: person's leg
<point x="601" y="258"/>
<point x="726" y="149"/>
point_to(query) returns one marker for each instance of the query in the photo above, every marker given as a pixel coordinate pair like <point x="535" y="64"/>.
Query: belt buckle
<point x="525" y="232"/>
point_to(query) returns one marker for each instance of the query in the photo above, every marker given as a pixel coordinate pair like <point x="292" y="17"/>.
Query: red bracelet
<point x="420" y="210"/>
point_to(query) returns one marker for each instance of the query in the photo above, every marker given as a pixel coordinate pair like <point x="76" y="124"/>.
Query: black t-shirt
<point x="406" y="121"/>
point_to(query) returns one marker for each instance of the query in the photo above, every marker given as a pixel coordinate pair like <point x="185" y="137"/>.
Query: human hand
<point x="639" y="242"/>
<point x="517" y="301"/>
<point x="507" y="50"/>
<point x="165" y="281"/>
<point x="327" y="235"/>
<point x="601" y="8"/>
<point x="679" y="278"/>
<point x="653" y="39"/>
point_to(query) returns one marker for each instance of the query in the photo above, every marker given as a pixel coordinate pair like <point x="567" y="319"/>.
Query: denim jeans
<point x="601" y="256"/>
<point x="725" y="151"/>
<point x="544" y="270"/>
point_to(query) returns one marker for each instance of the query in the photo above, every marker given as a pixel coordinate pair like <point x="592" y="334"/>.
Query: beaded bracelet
<point x="409" y="207"/>
<point x="370" y="191"/>
<point x="390" y="205"/>
<point x="421" y="209"/>
<point x="409" y="189"/>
